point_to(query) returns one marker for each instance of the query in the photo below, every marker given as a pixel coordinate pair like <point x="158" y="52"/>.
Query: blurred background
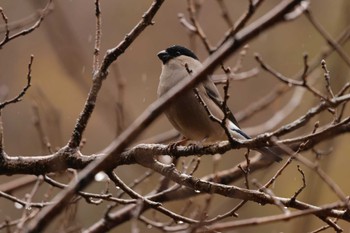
<point x="63" y="47"/>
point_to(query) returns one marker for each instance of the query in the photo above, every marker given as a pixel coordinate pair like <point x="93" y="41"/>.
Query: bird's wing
<point x="213" y="94"/>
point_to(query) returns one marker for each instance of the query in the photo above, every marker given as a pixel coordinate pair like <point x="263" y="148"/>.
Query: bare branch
<point x="24" y="32"/>
<point x="225" y="14"/>
<point x="327" y="78"/>
<point x="270" y="219"/>
<point x="278" y="173"/>
<point x="23" y="92"/>
<point x="96" y="62"/>
<point x="241" y="22"/>
<point x="327" y="37"/>
<point x="40" y="222"/>
<point x="177" y="175"/>
<point x="98" y="77"/>
<point x="288" y="81"/>
<point x="198" y="29"/>
<point x="302" y="187"/>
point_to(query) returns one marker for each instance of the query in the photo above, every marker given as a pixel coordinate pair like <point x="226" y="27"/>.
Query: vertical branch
<point x="40" y="222"/>
<point x="306" y="68"/>
<point x="29" y="198"/>
<point x="1" y="138"/>
<point x="224" y="13"/>
<point x="5" y="19"/>
<point x="198" y="28"/>
<point x="98" y="77"/>
<point x="119" y="105"/>
<point x="302" y="187"/>
<point x="246" y="170"/>
<point x="51" y="116"/>
<point x="327" y="78"/>
<point x="96" y="60"/>
<point x="225" y="108"/>
<point x="44" y="140"/>
<point x="190" y="29"/>
<point x="101" y="74"/>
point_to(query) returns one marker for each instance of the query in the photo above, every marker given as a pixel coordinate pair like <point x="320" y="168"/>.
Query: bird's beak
<point x="164" y="56"/>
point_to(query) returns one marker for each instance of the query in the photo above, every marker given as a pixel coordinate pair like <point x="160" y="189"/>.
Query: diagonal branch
<point x="275" y="16"/>
<point x="101" y="74"/>
<point x="327" y="37"/>
<point x="39" y="223"/>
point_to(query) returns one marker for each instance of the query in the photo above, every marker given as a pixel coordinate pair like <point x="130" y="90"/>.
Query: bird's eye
<point x="178" y="53"/>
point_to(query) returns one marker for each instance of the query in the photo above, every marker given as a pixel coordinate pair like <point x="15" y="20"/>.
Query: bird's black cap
<point x="175" y="51"/>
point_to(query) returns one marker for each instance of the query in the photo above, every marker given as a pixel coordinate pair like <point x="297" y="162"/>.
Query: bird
<point x="189" y="112"/>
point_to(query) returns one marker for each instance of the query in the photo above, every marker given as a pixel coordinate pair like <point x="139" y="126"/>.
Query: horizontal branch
<point x="64" y="158"/>
<point x="203" y="185"/>
<point x="274" y="218"/>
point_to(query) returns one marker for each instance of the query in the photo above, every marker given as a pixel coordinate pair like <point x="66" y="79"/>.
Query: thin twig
<point x="269" y="192"/>
<point x="327" y="78"/>
<point x="241" y="22"/>
<point x="273" y="17"/>
<point x="120" y="96"/>
<point x="246" y="170"/>
<point x="24" y="32"/>
<point x="29" y="198"/>
<point x="230" y="213"/>
<point x="324" y="228"/>
<point x="327" y="37"/>
<point x="145" y="200"/>
<point x="91" y="198"/>
<point x="45" y="143"/>
<point x="302" y="187"/>
<point x="23" y="22"/>
<point x="288" y="81"/>
<point x="24" y="203"/>
<point x="268" y="219"/>
<point x="4" y="17"/>
<point x="198" y="29"/>
<point x="278" y="173"/>
<point x="224" y="13"/>
<point x="101" y="74"/>
<point x="241" y="76"/>
<point x="96" y="59"/>
<point x="119" y="183"/>
<point x="137" y="181"/>
<point x="2" y="155"/>
<point x="316" y="168"/>
<point x="24" y="90"/>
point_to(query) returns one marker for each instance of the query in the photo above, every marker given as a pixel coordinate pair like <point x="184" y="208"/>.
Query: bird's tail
<point x="270" y="154"/>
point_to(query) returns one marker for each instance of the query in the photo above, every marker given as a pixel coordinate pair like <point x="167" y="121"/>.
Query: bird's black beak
<point x="164" y="56"/>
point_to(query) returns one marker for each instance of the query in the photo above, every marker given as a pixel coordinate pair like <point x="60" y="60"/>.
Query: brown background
<point x="63" y="48"/>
